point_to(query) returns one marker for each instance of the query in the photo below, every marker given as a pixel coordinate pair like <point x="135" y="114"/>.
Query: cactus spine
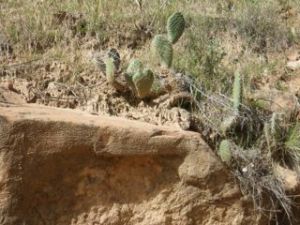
<point x="175" y="27"/>
<point x="224" y="151"/>
<point x="162" y="48"/>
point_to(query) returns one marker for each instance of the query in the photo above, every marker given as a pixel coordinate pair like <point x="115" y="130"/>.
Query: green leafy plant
<point x="175" y="27"/>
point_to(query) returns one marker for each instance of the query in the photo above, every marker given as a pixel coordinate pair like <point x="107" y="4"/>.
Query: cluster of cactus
<point x="162" y="44"/>
<point x="139" y="79"/>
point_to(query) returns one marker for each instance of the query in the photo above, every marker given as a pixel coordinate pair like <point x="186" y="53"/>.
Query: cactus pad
<point x="237" y="92"/>
<point x="110" y="70"/>
<point x="143" y="82"/>
<point x="134" y="67"/>
<point x="175" y="27"/>
<point x="163" y="49"/>
<point x="224" y="151"/>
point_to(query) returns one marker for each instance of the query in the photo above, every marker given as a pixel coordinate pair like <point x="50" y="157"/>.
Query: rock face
<point x="61" y="167"/>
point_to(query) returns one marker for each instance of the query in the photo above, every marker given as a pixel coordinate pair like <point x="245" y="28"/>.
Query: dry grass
<point x="220" y="37"/>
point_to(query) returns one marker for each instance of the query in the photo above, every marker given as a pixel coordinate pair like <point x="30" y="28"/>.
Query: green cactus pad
<point x="224" y="151"/>
<point x="175" y="27"/>
<point x="163" y="49"/>
<point x="110" y="70"/>
<point x="128" y="79"/>
<point x="134" y="67"/>
<point x="143" y="82"/>
<point x="237" y="92"/>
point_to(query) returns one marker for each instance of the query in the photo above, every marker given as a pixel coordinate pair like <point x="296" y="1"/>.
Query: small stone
<point x="293" y="65"/>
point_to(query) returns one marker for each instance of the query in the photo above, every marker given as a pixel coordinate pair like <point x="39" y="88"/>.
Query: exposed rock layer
<point x="62" y="167"/>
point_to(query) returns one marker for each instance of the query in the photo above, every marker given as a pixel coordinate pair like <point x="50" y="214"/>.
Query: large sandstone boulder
<point x="61" y="167"/>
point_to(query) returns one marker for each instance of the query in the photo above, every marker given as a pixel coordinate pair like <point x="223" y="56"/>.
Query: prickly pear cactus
<point x="224" y="151"/>
<point x="175" y="27"/>
<point x="134" y="67"/>
<point x="237" y="92"/>
<point x="143" y="81"/>
<point x="163" y="49"/>
<point x="110" y="70"/>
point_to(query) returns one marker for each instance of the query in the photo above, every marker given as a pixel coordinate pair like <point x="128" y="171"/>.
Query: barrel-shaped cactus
<point x="237" y="92"/>
<point x="225" y="151"/>
<point x="175" y="27"/>
<point x="110" y="70"/>
<point x="163" y="49"/>
<point x="143" y="81"/>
